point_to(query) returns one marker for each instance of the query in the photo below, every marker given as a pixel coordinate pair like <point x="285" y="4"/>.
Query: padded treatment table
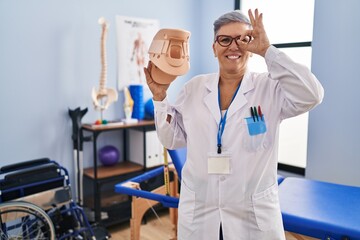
<point x="319" y="209"/>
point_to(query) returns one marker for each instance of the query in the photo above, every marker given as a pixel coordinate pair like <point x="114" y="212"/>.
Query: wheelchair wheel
<point x="23" y="220"/>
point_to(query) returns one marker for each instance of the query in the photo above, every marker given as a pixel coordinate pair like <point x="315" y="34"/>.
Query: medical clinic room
<point x="180" y="120"/>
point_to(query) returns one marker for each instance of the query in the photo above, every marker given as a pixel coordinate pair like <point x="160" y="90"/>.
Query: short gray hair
<point x="230" y="17"/>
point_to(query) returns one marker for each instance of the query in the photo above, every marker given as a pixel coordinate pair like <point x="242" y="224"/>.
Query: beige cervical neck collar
<point x="169" y="52"/>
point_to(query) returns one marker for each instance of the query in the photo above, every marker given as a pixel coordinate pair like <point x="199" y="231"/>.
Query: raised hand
<point x="158" y="90"/>
<point x="260" y="42"/>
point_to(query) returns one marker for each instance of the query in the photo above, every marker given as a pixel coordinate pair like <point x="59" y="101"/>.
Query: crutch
<point x="76" y="116"/>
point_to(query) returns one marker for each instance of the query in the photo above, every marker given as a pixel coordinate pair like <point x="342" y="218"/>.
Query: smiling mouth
<point x="233" y="57"/>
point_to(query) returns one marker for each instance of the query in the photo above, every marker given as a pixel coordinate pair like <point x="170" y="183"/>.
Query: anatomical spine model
<point x="104" y="96"/>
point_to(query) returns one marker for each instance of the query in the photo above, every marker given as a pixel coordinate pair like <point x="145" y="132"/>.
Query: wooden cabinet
<point x="107" y="206"/>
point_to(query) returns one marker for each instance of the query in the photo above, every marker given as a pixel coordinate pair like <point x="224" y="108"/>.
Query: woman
<point x="229" y="122"/>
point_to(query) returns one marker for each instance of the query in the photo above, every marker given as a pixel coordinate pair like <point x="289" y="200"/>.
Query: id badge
<point x="219" y="163"/>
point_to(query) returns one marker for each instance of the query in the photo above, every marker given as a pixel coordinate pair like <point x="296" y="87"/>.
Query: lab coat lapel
<point x="240" y="99"/>
<point x="212" y="102"/>
<point x="211" y="99"/>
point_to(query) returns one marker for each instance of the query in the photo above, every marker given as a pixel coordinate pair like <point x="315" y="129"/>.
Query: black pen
<point x="256" y="114"/>
<point x="252" y="113"/>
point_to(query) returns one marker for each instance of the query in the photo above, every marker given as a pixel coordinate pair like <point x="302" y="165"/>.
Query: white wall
<point x="334" y="129"/>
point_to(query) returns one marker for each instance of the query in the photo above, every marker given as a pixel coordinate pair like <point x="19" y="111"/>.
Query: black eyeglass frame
<point x="237" y="40"/>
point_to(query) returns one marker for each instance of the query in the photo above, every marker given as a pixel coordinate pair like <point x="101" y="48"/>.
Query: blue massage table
<point x="178" y="157"/>
<point x="320" y="209"/>
<point x="143" y="200"/>
<point x="312" y="208"/>
<point x="166" y="201"/>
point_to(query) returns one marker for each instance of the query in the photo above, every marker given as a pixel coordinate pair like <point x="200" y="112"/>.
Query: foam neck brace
<point x="169" y="52"/>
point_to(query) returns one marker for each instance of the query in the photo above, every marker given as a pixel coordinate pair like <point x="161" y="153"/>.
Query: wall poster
<point x="134" y="36"/>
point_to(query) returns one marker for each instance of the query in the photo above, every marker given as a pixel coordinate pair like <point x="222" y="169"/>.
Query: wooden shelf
<point x="117" y="208"/>
<point x="116" y="170"/>
<point x="118" y="125"/>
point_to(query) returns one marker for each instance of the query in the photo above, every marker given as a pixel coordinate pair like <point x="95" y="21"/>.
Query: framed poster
<point x="134" y="36"/>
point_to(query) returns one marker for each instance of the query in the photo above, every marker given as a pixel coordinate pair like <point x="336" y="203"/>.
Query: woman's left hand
<point x="259" y="41"/>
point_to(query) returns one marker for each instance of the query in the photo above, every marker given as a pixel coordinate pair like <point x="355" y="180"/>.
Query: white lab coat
<point x="246" y="200"/>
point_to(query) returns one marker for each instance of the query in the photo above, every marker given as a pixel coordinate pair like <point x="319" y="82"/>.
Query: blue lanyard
<point x="222" y="122"/>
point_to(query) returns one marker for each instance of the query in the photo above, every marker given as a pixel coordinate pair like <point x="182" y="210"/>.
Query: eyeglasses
<point x="226" y="41"/>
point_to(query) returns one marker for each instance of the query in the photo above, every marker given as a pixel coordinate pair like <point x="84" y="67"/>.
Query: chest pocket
<point x="255" y="135"/>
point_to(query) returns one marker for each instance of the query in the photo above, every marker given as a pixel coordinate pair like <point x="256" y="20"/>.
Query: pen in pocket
<point x="256" y="114"/>
<point x="252" y="113"/>
<point x="260" y="113"/>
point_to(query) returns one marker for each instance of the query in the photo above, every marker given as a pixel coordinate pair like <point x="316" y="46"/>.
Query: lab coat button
<point x="222" y="178"/>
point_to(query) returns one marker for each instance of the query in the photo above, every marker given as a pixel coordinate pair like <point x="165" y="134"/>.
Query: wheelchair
<point x="36" y="203"/>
